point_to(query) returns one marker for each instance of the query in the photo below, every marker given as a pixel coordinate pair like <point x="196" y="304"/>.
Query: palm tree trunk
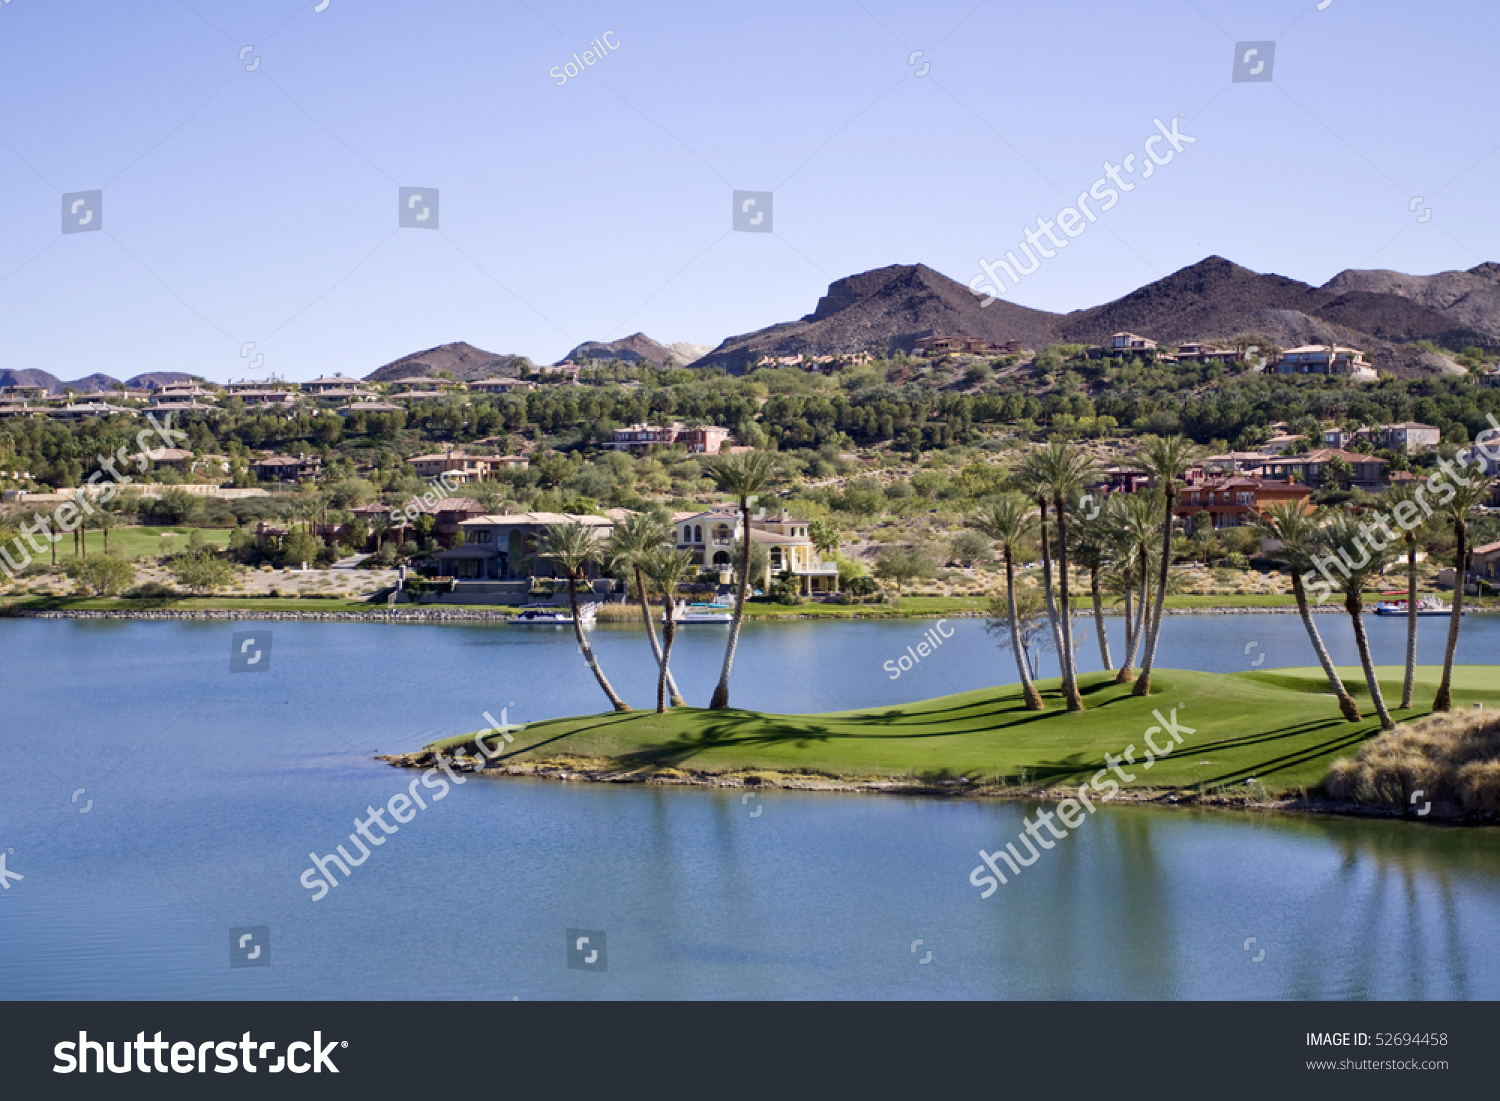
<point x="1444" y="699"/>
<point x="1099" y="618"/>
<point x="1143" y="686"/>
<point x="1355" y="607"/>
<point x="1047" y="578"/>
<point x="1347" y="706"/>
<point x="588" y="654"/>
<point x="1409" y="682"/>
<point x="1070" y="672"/>
<point x="742" y="591"/>
<point x="1132" y="633"/>
<point x="640" y="587"/>
<point x="1028" y="690"/>
<point x="666" y="676"/>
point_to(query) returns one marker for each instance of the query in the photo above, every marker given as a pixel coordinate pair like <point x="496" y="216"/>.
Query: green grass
<point x="1279" y="727"/>
<point x="138" y="542"/>
<point x="192" y="604"/>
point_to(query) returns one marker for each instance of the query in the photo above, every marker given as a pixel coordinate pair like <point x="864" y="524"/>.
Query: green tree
<point x="632" y="544"/>
<point x="1167" y="458"/>
<point x="743" y="475"/>
<point x="1299" y="536"/>
<point x="201" y="572"/>
<point x="1010" y="523"/>
<point x="107" y="574"/>
<point x="571" y="547"/>
<point x="666" y="569"/>
<point x="1466" y="498"/>
<point x="899" y="565"/>
<point x="1342" y="536"/>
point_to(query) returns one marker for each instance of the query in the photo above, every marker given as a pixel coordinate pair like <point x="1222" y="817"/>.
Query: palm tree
<point x="380" y="523"/>
<point x="1410" y="538"/>
<point x="632" y="543"/>
<point x="1010" y="522"/>
<point x="742" y="475"/>
<point x="666" y="568"/>
<point x="1135" y="519"/>
<point x="1030" y="477"/>
<point x="1067" y="470"/>
<point x="108" y="520"/>
<point x="1291" y="525"/>
<point x="572" y="547"/>
<point x="1167" y="458"/>
<point x="1093" y="545"/>
<point x="1456" y="513"/>
<point x="1340" y="535"/>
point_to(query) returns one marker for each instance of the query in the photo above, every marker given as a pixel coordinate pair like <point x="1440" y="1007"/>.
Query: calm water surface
<point x="206" y="791"/>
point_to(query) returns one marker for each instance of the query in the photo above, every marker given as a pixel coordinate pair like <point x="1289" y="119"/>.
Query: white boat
<point x="701" y="613"/>
<point x="1426" y="606"/>
<point x="587" y="613"/>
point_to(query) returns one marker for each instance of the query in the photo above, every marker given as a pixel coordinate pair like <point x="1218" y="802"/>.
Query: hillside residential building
<point x="505" y="547"/>
<point x="1411" y="437"/>
<point x="1325" y="359"/>
<point x="710" y="536"/>
<point x="1127" y="343"/>
<point x="334" y="386"/>
<point x="705" y="440"/>
<point x="423" y="384"/>
<point x="955" y="345"/>
<point x="1236" y="462"/>
<point x="465" y="467"/>
<point x="501" y="385"/>
<point x="286" y="468"/>
<point x="254" y="397"/>
<point x="71" y="412"/>
<point x="1310" y="468"/>
<point x="1279" y="444"/>
<point x="1206" y="353"/>
<point x="1233" y="501"/>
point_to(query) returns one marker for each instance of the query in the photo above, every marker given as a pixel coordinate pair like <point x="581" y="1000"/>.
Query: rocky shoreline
<point x="577" y="770"/>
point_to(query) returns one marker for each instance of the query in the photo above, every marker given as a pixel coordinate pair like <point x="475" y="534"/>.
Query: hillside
<point x="887" y="309"/>
<point x="463" y="361"/>
<point x="97" y="381"/>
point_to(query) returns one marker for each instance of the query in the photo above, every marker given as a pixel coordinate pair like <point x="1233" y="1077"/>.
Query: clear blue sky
<point x="261" y="206"/>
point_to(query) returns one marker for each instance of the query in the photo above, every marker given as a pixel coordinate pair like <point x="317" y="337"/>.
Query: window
<point x="483" y="535"/>
<point x="698" y="533"/>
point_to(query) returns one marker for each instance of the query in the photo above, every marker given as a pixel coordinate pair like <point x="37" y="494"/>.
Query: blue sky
<point x="260" y="205"/>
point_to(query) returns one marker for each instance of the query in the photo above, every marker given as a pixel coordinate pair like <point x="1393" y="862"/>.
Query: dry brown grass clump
<point x="1453" y="758"/>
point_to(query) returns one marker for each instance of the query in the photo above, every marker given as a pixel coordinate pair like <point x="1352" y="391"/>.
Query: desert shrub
<point x="1453" y="758"/>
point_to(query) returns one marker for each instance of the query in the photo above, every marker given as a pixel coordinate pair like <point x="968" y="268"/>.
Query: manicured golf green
<point x="1280" y="727"/>
<point x="139" y="542"/>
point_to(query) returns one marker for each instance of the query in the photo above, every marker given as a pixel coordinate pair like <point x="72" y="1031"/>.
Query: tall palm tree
<point x="1068" y="471"/>
<point x="1030" y="477"/>
<point x="666" y="568"/>
<point x="1093" y="547"/>
<point x="1135" y="518"/>
<point x="742" y="475"/>
<point x="1411" y="537"/>
<point x="1298" y="532"/>
<point x="1010" y="522"/>
<point x="1342" y="536"/>
<point x="1167" y="458"/>
<point x="1456" y="514"/>
<point x="571" y="546"/>
<point x="108" y="520"/>
<point x="380" y="523"/>
<point x="632" y="543"/>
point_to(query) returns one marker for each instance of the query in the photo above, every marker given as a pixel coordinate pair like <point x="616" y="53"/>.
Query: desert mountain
<point x="888" y="309"/>
<point x="636" y="347"/>
<point x="32" y="377"/>
<point x="463" y="361"/>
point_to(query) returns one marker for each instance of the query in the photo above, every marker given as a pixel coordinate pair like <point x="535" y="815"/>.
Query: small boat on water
<point x="701" y="613"/>
<point x="1426" y="606"/>
<point x="587" y="614"/>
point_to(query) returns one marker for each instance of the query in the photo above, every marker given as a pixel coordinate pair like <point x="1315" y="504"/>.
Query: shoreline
<point x="596" y="771"/>
<point x="440" y="613"/>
